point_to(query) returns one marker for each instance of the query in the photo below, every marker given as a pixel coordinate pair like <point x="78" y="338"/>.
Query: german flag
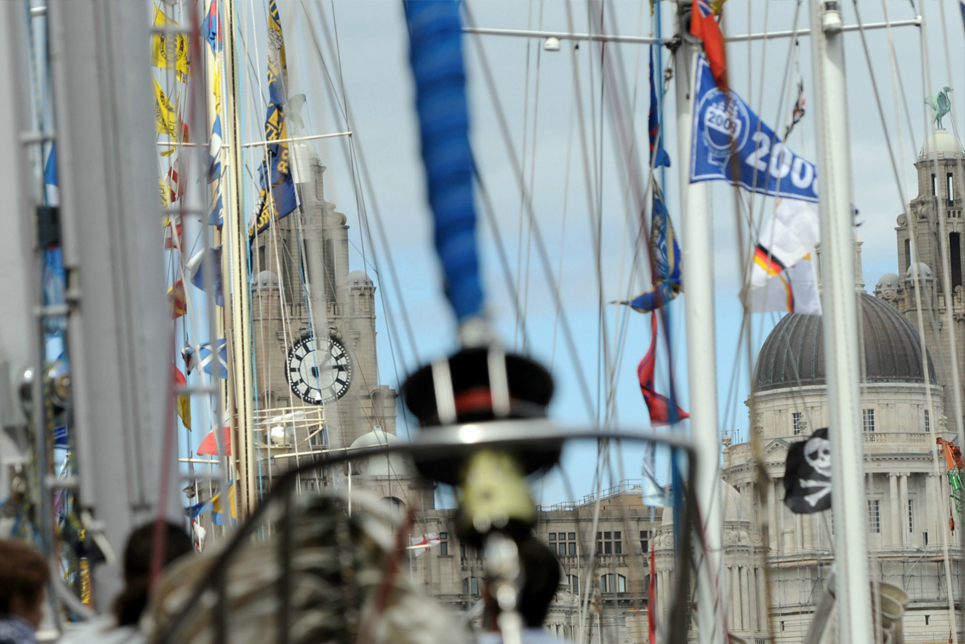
<point x="771" y="264"/>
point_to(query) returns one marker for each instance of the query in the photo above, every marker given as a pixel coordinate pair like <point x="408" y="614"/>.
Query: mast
<point x="839" y="304"/>
<point x="698" y="262"/>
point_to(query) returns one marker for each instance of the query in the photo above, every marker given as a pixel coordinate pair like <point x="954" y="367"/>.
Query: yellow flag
<point x="168" y="50"/>
<point x="216" y="505"/>
<point x="162" y="184"/>
<point x="164" y="118"/>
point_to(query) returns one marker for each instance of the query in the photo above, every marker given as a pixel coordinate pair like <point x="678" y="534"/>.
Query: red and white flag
<point x="703" y="24"/>
<point x="422" y="543"/>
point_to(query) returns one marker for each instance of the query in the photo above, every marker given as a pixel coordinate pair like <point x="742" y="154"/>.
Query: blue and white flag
<point x="724" y="127"/>
<point x="51" y="186"/>
<point x="196" y="267"/>
<point x="203" y="357"/>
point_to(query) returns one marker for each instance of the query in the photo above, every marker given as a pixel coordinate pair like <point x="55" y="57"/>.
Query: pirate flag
<point x="807" y="474"/>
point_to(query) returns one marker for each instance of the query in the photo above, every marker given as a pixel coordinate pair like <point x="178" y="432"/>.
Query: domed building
<point x="904" y="394"/>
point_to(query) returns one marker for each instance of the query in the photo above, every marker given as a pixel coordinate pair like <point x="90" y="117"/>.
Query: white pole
<point x="839" y="303"/>
<point x="698" y="261"/>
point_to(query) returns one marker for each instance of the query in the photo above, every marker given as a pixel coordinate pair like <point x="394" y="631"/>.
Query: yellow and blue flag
<point x="278" y="197"/>
<point x="217" y="507"/>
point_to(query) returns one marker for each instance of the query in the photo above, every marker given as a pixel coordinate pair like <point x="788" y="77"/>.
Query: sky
<point x="356" y="52"/>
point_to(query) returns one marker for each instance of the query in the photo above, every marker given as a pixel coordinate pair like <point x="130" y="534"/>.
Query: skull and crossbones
<point x="817" y="452"/>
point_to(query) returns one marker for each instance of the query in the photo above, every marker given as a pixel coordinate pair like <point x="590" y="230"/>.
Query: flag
<point x="658" y="156"/>
<point x="168" y="50"/>
<point x="652" y="595"/>
<point x="797" y="112"/>
<point x="175" y="187"/>
<point x="177" y="300"/>
<point x="198" y="264"/>
<point x="199" y="533"/>
<point x="211" y="28"/>
<point x="165" y="119"/>
<point x="198" y="509"/>
<point x="666" y="254"/>
<point x="209" y="446"/>
<point x="794" y="290"/>
<point x="724" y="126"/>
<point x="184" y="401"/>
<point x="61" y="437"/>
<point x="168" y="240"/>
<point x="51" y="184"/>
<point x="703" y="25"/>
<point x="422" y="543"/>
<point x="217" y="511"/>
<point x="207" y="362"/>
<point x="789" y="236"/>
<point x="807" y="474"/>
<point x="277" y="197"/>
<point x="659" y="406"/>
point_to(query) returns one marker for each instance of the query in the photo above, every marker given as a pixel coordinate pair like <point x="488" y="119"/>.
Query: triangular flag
<point x="659" y="406"/>
<point x="177" y="300"/>
<point x="184" y="401"/>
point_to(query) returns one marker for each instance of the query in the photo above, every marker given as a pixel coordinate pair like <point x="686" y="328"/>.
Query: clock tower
<point x="317" y="377"/>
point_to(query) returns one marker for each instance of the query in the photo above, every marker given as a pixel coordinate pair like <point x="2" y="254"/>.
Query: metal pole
<point x="698" y="257"/>
<point x="839" y="302"/>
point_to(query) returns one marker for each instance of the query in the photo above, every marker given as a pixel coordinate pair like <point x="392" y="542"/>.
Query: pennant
<point x="277" y="197"/>
<point x="789" y="236"/>
<point x="658" y="156"/>
<point x="211" y="28"/>
<point x="214" y="151"/>
<point x="168" y="50"/>
<point x="184" y="401"/>
<point x="217" y="511"/>
<point x="177" y="300"/>
<point x="659" y="406"/>
<point x="209" y="446"/>
<point x="423" y="543"/>
<point x="794" y="290"/>
<point x="165" y="119"/>
<point x="724" y="125"/>
<point x="703" y="25"/>
<point x="666" y="253"/>
<point x="198" y="264"/>
<point x="51" y="184"/>
<point x="807" y="474"/>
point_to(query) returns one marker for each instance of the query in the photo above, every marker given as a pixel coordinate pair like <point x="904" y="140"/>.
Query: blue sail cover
<point x="435" y="53"/>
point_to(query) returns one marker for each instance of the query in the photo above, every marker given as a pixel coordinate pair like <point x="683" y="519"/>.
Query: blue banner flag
<point x="725" y="126"/>
<point x="658" y="156"/>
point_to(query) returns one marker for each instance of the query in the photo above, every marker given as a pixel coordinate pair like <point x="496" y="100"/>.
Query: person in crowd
<point x="24" y="575"/>
<point x="541" y="580"/>
<point x="121" y="627"/>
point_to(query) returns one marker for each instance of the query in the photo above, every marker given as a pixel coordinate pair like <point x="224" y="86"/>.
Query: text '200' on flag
<point x="724" y="126"/>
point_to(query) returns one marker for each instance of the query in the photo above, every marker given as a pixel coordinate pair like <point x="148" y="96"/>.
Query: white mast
<point x="839" y="304"/>
<point x="698" y="261"/>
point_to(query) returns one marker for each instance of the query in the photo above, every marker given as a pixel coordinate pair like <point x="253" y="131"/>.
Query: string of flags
<point x="216" y="507"/>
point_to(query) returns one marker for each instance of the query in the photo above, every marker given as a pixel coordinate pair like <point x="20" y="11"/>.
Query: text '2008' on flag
<point x="732" y="143"/>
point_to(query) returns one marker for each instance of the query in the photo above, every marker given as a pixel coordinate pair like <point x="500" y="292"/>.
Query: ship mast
<point x="839" y="304"/>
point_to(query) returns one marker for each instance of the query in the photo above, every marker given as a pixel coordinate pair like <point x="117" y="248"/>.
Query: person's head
<point x="23" y="579"/>
<point x="137" y="567"/>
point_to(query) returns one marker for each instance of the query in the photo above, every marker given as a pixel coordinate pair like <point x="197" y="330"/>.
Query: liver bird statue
<point x="941" y="105"/>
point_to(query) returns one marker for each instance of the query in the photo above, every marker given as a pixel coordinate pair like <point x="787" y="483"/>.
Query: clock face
<point x="319" y="374"/>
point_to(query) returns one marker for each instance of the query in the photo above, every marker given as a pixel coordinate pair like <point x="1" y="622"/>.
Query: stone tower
<point x="941" y="179"/>
<point x="303" y="290"/>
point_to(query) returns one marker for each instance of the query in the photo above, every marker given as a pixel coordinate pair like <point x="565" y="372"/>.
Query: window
<point x="609" y="543"/>
<point x="927" y="424"/>
<point x="468" y="552"/>
<point x="911" y="515"/>
<point x="868" y="420"/>
<point x="573" y="581"/>
<point x="470" y="584"/>
<point x="443" y="543"/>
<point x="613" y="583"/>
<point x="949" y="187"/>
<point x="955" y="254"/>
<point x="874" y="516"/>
<point x="934" y="185"/>
<point x="926" y="537"/>
<point x="926" y="619"/>
<point x="797" y="419"/>
<point x="907" y="253"/>
<point x="563" y="543"/>
<point x="645" y="541"/>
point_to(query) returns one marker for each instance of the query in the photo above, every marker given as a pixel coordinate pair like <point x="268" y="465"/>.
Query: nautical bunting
<point x="278" y="198"/>
<point x="184" y="401"/>
<point x="807" y="474"/>
<point x="661" y="410"/>
<point x="703" y="25"/>
<point x="178" y="229"/>
<point x="217" y="511"/>
<point x="788" y="237"/>
<point x="165" y="119"/>
<point x="658" y="156"/>
<point x="168" y="50"/>
<point x="196" y="267"/>
<point x="177" y="300"/>
<point x="724" y="125"/>
<point x="666" y="254"/>
<point x="209" y="446"/>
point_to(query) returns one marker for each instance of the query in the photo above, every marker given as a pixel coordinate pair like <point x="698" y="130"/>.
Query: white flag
<point x="794" y="290"/>
<point x="422" y="543"/>
<point x="787" y="238"/>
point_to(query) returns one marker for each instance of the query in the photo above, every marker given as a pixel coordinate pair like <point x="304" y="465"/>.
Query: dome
<point x="943" y="144"/>
<point x="888" y="282"/>
<point x="920" y="268"/>
<point x="359" y="278"/>
<point x="265" y="280"/>
<point x="391" y="465"/>
<point x="892" y="350"/>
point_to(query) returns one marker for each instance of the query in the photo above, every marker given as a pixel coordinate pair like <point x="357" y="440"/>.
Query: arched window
<point x="470" y="585"/>
<point x="396" y="505"/>
<point x="611" y="583"/>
